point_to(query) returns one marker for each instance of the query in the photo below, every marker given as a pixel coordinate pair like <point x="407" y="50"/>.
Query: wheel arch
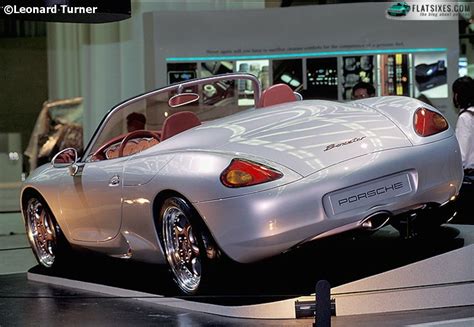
<point x="29" y="192"/>
<point x="59" y="244"/>
<point x="168" y="193"/>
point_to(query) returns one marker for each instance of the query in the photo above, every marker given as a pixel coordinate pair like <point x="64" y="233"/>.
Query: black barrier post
<point x="322" y="316"/>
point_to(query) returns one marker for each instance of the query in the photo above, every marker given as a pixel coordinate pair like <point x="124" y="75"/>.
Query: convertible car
<point x="399" y="9"/>
<point x="192" y="183"/>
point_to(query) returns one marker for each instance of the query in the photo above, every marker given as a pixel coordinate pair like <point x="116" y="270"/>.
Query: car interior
<point x="139" y="140"/>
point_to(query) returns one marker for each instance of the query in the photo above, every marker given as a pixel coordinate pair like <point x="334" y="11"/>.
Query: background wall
<point x="105" y="63"/>
<point x="324" y="31"/>
<point x="23" y="84"/>
<point x="23" y="89"/>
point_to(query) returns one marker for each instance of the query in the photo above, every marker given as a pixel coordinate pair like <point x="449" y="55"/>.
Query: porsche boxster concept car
<point x="170" y="178"/>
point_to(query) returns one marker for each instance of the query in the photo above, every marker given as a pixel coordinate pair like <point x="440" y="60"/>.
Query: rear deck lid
<point x="311" y="135"/>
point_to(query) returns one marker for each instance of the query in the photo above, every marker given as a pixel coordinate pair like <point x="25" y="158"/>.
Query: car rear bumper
<point x="263" y="224"/>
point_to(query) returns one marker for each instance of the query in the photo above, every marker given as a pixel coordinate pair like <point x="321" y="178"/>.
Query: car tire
<point x="46" y="239"/>
<point x="187" y="246"/>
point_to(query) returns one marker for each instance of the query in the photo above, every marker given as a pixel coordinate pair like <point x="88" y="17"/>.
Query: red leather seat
<point x="179" y="122"/>
<point x="276" y="94"/>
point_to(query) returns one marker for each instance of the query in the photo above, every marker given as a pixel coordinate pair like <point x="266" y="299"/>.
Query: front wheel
<point x="185" y="244"/>
<point x="43" y="232"/>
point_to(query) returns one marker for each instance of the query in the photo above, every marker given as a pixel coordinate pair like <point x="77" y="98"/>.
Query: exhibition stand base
<point x="375" y="274"/>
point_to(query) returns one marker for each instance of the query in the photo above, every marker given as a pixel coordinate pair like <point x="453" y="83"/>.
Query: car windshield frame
<point x="178" y="87"/>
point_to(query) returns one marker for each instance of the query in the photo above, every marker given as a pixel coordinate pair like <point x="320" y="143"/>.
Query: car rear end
<point x="406" y="163"/>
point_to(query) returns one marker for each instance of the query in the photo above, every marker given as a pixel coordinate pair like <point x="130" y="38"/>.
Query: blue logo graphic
<point x="399" y="9"/>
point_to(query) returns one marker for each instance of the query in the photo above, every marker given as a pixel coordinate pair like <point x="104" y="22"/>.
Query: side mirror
<point x="64" y="158"/>
<point x="67" y="158"/>
<point x="182" y="99"/>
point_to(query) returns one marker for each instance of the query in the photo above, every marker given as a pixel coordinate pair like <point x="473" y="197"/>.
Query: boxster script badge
<point x="337" y="145"/>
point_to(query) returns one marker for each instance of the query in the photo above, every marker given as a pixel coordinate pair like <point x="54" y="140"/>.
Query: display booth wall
<point x="319" y="50"/>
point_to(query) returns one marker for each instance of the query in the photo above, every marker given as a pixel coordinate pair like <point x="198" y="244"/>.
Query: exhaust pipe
<point x="375" y="221"/>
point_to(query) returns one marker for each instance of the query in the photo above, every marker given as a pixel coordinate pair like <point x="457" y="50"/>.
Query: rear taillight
<point x="242" y="172"/>
<point x="427" y="122"/>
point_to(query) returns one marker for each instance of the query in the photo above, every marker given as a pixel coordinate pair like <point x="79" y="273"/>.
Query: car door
<point x="91" y="194"/>
<point x="91" y="201"/>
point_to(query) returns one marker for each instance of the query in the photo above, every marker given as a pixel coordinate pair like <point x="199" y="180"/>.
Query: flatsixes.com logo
<point x="428" y="10"/>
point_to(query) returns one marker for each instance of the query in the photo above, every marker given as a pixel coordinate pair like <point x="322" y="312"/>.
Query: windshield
<point x="218" y="97"/>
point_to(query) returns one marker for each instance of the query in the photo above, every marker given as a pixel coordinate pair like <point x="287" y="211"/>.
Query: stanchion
<point x="322" y="316"/>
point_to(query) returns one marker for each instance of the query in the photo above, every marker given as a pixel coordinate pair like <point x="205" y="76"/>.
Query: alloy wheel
<point x="41" y="232"/>
<point x="182" y="249"/>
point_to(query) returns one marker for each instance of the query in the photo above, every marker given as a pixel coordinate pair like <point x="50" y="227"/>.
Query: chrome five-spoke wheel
<point x="41" y="231"/>
<point x="181" y="245"/>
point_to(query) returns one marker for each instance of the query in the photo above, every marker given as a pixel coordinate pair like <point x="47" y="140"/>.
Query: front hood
<point x="305" y="136"/>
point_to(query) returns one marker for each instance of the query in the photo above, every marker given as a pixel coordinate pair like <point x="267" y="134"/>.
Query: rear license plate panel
<point x="375" y="192"/>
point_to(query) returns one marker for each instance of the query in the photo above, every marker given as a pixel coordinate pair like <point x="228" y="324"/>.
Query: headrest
<point x="179" y="122"/>
<point x="276" y="94"/>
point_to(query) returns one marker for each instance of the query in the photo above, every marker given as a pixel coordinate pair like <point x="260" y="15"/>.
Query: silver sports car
<point x="214" y="168"/>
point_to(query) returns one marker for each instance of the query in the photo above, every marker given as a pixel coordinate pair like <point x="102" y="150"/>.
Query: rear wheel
<point x="43" y="232"/>
<point x="187" y="245"/>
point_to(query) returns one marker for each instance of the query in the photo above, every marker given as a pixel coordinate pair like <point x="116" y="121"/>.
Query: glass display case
<point x="354" y="70"/>
<point x="321" y="75"/>
<point x="395" y="74"/>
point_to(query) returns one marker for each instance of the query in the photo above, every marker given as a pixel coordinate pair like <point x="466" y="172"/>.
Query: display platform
<point x="377" y="273"/>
